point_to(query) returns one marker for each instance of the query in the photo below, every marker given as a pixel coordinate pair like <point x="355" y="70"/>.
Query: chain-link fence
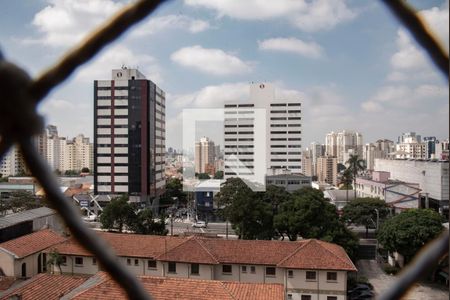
<point x="19" y="121"/>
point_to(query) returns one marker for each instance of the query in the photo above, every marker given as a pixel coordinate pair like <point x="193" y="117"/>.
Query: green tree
<point x="251" y="217"/>
<point x="355" y="165"/>
<point x="409" y="231"/>
<point x="85" y="170"/>
<point x="203" y="176"/>
<point x="23" y="200"/>
<point x="362" y="211"/>
<point x="309" y="215"/>
<point x="55" y="259"/>
<point x="144" y="223"/>
<point x="118" y="214"/>
<point x="218" y="175"/>
<point x="346" y="180"/>
<point x="275" y="196"/>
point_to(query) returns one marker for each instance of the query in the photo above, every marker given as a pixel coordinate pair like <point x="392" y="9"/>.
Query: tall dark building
<point x="129" y="136"/>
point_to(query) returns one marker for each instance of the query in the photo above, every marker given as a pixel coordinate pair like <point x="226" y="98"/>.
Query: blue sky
<point x="350" y="62"/>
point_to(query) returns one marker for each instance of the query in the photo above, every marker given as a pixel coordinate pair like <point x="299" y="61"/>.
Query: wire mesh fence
<point x="19" y="121"/>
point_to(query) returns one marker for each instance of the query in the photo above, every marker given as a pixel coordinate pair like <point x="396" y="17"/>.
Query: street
<point x="381" y="282"/>
<point x="181" y="226"/>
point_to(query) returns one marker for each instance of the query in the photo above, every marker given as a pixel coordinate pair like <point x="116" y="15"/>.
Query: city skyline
<point x="387" y="78"/>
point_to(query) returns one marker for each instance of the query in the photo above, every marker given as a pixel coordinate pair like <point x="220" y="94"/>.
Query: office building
<point x="129" y="136"/>
<point x="277" y="137"/>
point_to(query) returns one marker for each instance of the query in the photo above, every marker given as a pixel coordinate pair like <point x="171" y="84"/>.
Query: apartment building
<point x="327" y="170"/>
<point x="265" y="124"/>
<point x="129" y="136"/>
<point x="204" y="155"/>
<point x="13" y="163"/>
<point x="340" y="144"/>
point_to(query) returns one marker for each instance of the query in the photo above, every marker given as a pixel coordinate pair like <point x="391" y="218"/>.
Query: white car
<point x="199" y="224"/>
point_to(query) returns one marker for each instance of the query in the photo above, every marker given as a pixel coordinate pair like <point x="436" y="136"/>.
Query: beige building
<point x="301" y="266"/>
<point x="327" y="170"/>
<point x="307" y="163"/>
<point x="342" y="143"/>
<point x="204" y="155"/>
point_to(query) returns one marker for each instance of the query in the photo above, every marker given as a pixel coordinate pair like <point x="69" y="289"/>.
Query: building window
<point x="129" y="261"/>
<point x="310" y="275"/>
<point x="305" y="297"/>
<point x="195" y="269"/>
<point x="94" y="261"/>
<point x="271" y="271"/>
<point x="290" y="273"/>
<point x="172" y="267"/>
<point x="227" y="269"/>
<point x="79" y="261"/>
<point x="244" y="269"/>
<point x="253" y="269"/>
<point x="63" y="260"/>
<point x="151" y="264"/>
<point x="289" y="296"/>
<point x="331" y="297"/>
<point x="331" y="276"/>
<point x="136" y="262"/>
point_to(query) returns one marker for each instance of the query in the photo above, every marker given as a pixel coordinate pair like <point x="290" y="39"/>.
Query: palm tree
<point x="346" y="179"/>
<point x="355" y="165"/>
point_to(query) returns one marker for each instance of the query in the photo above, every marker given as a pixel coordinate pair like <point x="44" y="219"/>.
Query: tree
<point x="23" y="200"/>
<point x="409" y="231"/>
<point x="355" y="165"/>
<point x="203" y="176"/>
<point x="218" y="175"/>
<point x="251" y="217"/>
<point x="55" y="259"/>
<point x="275" y="196"/>
<point x="85" y="170"/>
<point x="118" y="214"/>
<point x="309" y="215"/>
<point x="144" y="223"/>
<point x="174" y="189"/>
<point x="362" y="211"/>
<point x="346" y="180"/>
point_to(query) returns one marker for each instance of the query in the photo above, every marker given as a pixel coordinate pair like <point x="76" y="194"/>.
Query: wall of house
<point x="7" y="263"/>
<point x="298" y="285"/>
<point x="88" y="266"/>
<point x="31" y="265"/>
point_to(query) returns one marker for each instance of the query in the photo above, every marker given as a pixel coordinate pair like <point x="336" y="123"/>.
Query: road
<point x="381" y="282"/>
<point x="180" y="227"/>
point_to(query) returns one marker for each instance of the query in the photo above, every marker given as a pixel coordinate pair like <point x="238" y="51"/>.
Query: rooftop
<point x="28" y="215"/>
<point x="31" y="243"/>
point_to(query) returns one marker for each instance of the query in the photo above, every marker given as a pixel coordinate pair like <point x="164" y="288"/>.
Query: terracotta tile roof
<point x="250" y="252"/>
<point x="191" y="250"/>
<point x="187" y="289"/>
<point x="314" y="254"/>
<point x="251" y="291"/>
<point x="45" y="287"/>
<point x="6" y="282"/>
<point x="32" y="243"/>
<point x="303" y="254"/>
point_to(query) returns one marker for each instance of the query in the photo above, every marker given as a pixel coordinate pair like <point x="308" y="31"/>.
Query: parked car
<point x="199" y="224"/>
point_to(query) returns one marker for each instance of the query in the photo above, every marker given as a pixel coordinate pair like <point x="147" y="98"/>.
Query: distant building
<point x="204" y="155"/>
<point x="291" y="182"/>
<point x="129" y="136"/>
<point x="341" y="143"/>
<point x="283" y="139"/>
<point x="317" y="150"/>
<point x="327" y="170"/>
<point x="379" y="149"/>
<point x="339" y="198"/>
<point x="432" y="177"/>
<point x="13" y="163"/>
<point x="307" y="163"/>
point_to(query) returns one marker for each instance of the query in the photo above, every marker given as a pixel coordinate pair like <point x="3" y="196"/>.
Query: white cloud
<point x="211" y="61"/>
<point x="115" y="57"/>
<point x="293" y="45"/>
<point x="162" y="23"/>
<point x="323" y="15"/>
<point x="306" y="15"/>
<point x="64" y="22"/>
<point x="372" y="106"/>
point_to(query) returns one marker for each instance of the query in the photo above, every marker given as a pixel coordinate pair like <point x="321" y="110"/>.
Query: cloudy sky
<point x="349" y="61"/>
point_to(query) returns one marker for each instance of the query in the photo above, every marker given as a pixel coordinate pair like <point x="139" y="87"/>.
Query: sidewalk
<point x="381" y="282"/>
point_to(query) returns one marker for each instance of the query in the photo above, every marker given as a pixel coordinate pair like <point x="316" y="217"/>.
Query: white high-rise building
<point x="12" y="163"/>
<point x="280" y="137"/>
<point x="204" y="155"/>
<point x="344" y="143"/>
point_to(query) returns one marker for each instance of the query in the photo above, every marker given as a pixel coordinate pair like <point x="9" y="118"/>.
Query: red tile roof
<point x="303" y="254"/>
<point x="187" y="289"/>
<point x="6" y="282"/>
<point x="32" y="243"/>
<point x="314" y="254"/>
<point x="45" y="287"/>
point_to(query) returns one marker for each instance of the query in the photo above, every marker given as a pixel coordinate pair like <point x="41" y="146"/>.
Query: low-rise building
<point x="290" y="182"/>
<point x="339" y="198"/>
